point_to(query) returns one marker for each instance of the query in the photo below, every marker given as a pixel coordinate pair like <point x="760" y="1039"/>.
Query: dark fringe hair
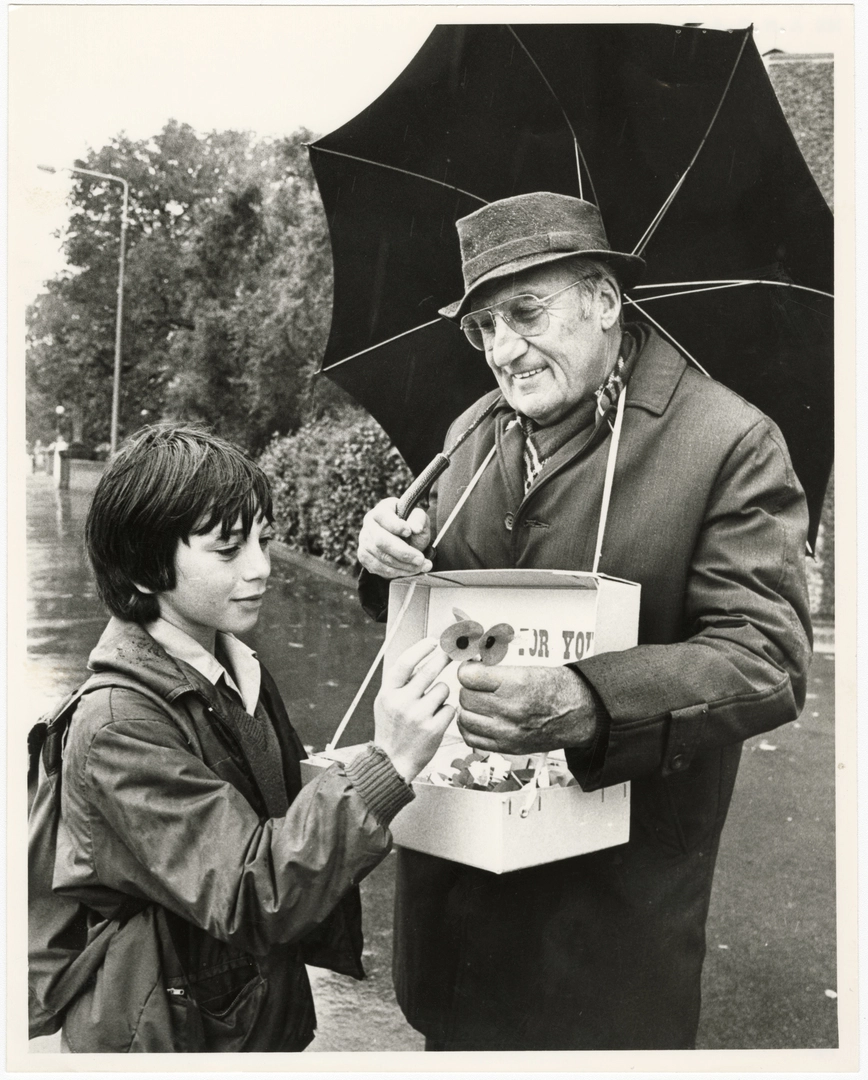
<point x="168" y="482"/>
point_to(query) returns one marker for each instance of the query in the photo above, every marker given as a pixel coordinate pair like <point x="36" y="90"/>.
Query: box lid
<point x="526" y="578"/>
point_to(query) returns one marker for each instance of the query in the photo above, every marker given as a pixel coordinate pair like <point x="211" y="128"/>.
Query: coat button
<point x="508" y="522"/>
<point x="677" y="762"/>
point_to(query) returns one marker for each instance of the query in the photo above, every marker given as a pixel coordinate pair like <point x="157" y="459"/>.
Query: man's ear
<point x="610" y="303"/>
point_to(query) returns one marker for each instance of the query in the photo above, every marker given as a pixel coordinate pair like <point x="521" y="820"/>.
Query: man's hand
<point x="410" y="712"/>
<point x="391" y="547"/>
<point x="524" y="710"/>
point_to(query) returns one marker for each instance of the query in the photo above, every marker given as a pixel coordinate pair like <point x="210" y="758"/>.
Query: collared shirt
<point x="245" y="676"/>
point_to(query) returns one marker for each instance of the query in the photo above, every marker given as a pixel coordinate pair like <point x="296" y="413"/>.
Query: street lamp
<point x="116" y="382"/>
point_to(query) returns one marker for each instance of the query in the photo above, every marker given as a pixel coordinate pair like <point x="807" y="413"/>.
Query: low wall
<point x="83" y="475"/>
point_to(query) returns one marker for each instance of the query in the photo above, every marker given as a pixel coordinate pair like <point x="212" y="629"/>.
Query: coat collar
<point x="658" y="371"/>
<point x="127" y="648"/>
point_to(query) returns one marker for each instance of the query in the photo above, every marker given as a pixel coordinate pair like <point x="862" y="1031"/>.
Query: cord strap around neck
<point x="610" y="476"/>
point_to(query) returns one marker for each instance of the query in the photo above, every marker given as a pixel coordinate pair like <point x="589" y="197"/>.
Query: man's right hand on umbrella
<point x="391" y="547"/>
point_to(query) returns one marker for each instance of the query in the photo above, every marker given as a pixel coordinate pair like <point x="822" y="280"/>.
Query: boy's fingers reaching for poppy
<point x="410" y="712"/>
<point x="428" y="670"/>
<point x="405" y="667"/>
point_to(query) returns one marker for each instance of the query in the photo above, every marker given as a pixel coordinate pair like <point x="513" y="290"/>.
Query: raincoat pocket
<point x="218" y="1012"/>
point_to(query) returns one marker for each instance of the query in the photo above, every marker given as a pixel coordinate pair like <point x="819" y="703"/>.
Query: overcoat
<point x="605" y="951"/>
<point x="168" y="797"/>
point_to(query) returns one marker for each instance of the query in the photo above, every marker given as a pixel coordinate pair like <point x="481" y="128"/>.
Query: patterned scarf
<point x="541" y="443"/>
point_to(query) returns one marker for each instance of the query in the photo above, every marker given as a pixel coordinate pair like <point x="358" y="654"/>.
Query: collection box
<point x="558" y="617"/>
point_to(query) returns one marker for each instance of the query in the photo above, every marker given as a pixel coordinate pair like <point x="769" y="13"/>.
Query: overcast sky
<point x="80" y="74"/>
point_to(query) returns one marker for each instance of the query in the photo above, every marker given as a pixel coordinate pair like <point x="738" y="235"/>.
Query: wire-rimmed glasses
<point x="526" y="315"/>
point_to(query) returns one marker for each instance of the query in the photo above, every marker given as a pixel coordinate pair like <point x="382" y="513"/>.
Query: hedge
<point x="325" y="478"/>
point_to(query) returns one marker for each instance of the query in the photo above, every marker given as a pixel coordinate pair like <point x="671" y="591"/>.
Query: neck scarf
<point x="542" y="443"/>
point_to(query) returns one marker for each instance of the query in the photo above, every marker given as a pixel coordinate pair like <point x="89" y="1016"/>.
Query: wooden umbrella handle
<point x="421" y="485"/>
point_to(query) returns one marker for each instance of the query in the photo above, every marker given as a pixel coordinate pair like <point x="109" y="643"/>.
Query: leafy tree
<point x="261" y="268"/>
<point x="227" y="293"/>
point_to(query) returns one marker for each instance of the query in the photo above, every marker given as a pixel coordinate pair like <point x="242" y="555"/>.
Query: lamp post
<point x="116" y="381"/>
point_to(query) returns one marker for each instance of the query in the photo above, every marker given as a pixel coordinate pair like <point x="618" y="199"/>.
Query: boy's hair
<point x="166" y="483"/>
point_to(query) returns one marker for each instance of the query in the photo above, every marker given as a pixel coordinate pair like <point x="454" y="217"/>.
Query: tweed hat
<point x="510" y="235"/>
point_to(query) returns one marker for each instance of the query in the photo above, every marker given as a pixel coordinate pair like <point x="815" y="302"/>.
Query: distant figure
<point x="37" y="456"/>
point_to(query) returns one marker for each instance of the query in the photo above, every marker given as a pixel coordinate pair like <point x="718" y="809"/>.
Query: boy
<point x="181" y="796"/>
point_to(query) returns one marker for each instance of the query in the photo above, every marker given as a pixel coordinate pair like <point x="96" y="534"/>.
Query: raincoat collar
<point x="127" y="648"/>
<point x="241" y="672"/>
<point x="658" y="371"/>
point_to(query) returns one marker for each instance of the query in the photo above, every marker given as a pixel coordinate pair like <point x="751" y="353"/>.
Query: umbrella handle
<point x="421" y="485"/>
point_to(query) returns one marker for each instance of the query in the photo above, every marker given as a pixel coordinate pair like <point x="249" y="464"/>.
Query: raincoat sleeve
<point x="165" y="826"/>
<point x="743" y="669"/>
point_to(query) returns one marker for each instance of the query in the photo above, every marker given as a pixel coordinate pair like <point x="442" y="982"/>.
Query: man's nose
<point x="507" y="344"/>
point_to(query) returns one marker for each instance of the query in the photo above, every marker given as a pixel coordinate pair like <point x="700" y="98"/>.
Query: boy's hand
<point x="391" y="547"/>
<point x="410" y="716"/>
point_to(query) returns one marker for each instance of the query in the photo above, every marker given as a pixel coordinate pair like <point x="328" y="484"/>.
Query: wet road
<point x="770" y="970"/>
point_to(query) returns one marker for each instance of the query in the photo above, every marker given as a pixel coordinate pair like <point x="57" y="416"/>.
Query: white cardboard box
<point x="559" y="617"/>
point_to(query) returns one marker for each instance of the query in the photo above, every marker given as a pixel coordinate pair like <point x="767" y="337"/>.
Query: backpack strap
<point x="46" y="738"/>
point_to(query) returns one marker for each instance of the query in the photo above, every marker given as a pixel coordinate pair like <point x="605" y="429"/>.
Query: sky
<point x="81" y="74"/>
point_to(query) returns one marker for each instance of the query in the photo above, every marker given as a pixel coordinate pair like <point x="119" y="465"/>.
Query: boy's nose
<point x="258" y="563"/>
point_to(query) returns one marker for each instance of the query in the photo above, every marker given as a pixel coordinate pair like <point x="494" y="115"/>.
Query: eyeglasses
<point x="526" y="315"/>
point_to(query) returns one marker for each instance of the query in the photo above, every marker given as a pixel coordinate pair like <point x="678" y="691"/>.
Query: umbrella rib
<point x="692" y="292"/>
<point x="580" y="157"/>
<point x="725" y="282"/>
<point x="658" y="217"/>
<point x="380" y="344"/>
<point x="662" y="330"/>
<point x="395" y="168"/>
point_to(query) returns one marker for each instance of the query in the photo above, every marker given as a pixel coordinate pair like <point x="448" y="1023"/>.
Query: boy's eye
<point x="264" y="541"/>
<point x="229" y="551"/>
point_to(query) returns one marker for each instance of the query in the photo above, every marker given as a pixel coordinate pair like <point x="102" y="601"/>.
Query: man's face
<point x="545" y="376"/>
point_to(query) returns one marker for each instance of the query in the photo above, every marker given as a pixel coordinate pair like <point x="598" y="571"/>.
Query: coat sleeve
<point x="742" y="668"/>
<point x="165" y="826"/>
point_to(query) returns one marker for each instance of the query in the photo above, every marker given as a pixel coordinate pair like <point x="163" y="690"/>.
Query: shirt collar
<point x="245" y="676"/>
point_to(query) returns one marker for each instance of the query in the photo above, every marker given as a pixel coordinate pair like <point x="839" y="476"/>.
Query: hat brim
<point x="628" y="269"/>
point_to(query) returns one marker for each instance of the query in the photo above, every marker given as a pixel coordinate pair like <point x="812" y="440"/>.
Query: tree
<point x="227" y="297"/>
<point x="260" y="271"/>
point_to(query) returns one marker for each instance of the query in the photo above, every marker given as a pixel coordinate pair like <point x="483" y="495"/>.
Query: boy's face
<point x="220" y="582"/>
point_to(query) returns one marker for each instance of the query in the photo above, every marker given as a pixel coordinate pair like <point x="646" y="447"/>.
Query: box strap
<point x="387" y="641"/>
<point x="447" y="524"/>
<point x="610" y="476"/>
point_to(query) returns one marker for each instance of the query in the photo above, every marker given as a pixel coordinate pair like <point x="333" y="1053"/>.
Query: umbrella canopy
<point x="675" y="133"/>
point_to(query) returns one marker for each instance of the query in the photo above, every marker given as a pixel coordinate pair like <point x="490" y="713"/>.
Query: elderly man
<point x="603" y="951"/>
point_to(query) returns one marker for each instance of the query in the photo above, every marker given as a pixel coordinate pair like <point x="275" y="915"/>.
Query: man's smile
<point x="519" y="375"/>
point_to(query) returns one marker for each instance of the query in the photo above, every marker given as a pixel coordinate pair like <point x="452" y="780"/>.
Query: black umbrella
<point x="674" y="132"/>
